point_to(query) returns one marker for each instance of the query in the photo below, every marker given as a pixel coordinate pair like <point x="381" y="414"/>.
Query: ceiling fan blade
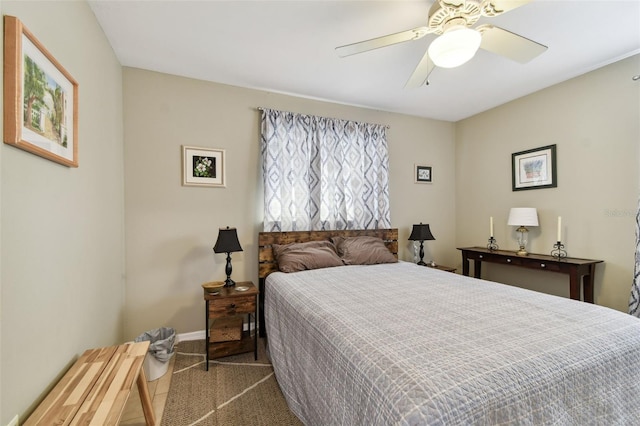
<point x="505" y="43"/>
<point x="452" y="3"/>
<point x="498" y="7"/>
<point x="421" y="73"/>
<point x="378" y="42"/>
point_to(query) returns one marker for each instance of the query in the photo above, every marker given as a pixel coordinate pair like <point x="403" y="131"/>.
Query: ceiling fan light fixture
<point x="455" y="47"/>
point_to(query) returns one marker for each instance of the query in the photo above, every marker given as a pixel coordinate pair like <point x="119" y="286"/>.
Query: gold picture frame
<point x="40" y="98"/>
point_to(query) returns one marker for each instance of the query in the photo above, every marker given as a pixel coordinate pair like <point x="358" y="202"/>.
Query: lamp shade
<point x="455" y="47"/>
<point x="523" y="216"/>
<point x="421" y="233"/>
<point x="227" y="241"/>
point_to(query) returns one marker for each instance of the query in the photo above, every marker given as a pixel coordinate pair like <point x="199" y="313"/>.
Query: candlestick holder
<point x="492" y="244"/>
<point x="558" y="251"/>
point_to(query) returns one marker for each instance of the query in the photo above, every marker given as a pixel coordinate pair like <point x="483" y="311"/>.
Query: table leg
<point x="574" y="284"/>
<point x="477" y="268"/>
<point x="255" y="337"/>
<point x="145" y="399"/>
<point x="588" y="284"/>
<point x="261" y="321"/>
<point x="206" y="341"/>
<point x="465" y="264"/>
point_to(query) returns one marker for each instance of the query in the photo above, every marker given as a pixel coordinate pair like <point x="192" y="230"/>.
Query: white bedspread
<point x="409" y="345"/>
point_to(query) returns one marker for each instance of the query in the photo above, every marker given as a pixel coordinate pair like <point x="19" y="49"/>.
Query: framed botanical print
<point x="203" y="167"/>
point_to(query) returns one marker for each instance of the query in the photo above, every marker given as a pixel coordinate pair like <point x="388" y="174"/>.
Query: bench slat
<point x="96" y="388"/>
<point x="65" y="399"/>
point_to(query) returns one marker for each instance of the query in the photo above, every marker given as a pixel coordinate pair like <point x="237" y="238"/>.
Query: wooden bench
<point x="95" y="389"/>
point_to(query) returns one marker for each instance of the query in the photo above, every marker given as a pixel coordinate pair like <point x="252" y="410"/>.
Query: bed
<point x="398" y="343"/>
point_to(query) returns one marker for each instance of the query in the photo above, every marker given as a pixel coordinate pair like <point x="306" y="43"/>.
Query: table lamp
<point x="227" y="243"/>
<point x="421" y="233"/>
<point x="523" y="217"/>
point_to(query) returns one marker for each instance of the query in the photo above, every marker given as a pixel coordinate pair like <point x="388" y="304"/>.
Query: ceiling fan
<point x="457" y="42"/>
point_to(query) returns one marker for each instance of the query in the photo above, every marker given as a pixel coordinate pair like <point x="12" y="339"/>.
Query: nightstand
<point x="443" y="268"/>
<point x="227" y="311"/>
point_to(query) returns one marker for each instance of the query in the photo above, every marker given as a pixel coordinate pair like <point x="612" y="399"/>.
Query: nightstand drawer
<point x="494" y="258"/>
<point x="233" y="305"/>
<point x="515" y="260"/>
<point x="547" y="265"/>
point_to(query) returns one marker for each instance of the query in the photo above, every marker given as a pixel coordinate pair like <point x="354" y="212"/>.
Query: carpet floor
<point x="237" y="390"/>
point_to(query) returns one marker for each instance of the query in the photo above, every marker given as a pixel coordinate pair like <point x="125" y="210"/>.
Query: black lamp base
<point x="421" y="262"/>
<point x="228" y="282"/>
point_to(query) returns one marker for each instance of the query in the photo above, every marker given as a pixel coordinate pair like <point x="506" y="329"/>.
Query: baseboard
<point x="194" y="335"/>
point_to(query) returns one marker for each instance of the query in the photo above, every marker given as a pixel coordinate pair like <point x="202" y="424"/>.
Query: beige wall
<point x="594" y="121"/>
<point x="171" y="229"/>
<point x="62" y="238"/>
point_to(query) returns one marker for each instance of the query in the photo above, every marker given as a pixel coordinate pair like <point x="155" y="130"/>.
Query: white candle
<point x="559" y="228"/>
<point x="491" y="226"/>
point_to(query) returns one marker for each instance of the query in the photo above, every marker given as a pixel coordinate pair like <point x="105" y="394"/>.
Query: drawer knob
<point x="232" y="306"/>
<point x="542" y="265"/>
<point x="508" y="260"/>
<point x="480" y="256"/>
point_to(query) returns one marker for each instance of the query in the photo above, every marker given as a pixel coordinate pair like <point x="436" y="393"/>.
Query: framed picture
<point x="423" y="174"/>
<point x="40" y="98"/>
<point x="203" y="167"/>
<point x="534" y="169"/>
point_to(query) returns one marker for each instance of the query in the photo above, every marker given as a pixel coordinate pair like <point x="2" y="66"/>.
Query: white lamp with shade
<point x="523" y="217"/>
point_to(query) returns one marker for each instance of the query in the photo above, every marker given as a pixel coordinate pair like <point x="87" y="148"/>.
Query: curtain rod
<point x="386" y="126"/>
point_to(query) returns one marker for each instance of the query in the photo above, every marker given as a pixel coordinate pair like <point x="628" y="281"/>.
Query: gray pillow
<point x="363" y="250"/>
<point x="304" y="256"/>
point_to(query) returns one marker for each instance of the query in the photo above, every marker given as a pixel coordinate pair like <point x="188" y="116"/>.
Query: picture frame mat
<point x="188" y="175"/>
<point x="534" y="168"/>
<point x="422" y="174"/>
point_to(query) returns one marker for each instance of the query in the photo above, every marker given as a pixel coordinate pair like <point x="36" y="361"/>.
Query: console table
<point x="580" y="271"/>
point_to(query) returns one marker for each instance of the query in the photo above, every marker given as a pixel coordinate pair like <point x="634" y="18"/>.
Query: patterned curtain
<point x="323" y="173"/>
<point x="634" y="300"/>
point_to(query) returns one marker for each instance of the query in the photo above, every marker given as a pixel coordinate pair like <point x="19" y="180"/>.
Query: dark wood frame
<point x="416" y="174"/>
<point x="267" y="262"/>
<point x="554" y="171"/>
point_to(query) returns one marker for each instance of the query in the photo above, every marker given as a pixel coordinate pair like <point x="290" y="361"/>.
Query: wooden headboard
<point x="267" y="263"/>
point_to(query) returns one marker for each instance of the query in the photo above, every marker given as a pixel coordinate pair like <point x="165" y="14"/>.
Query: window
<point x="323" y="173"/>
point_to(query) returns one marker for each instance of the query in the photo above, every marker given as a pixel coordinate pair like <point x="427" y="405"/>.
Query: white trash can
<point x="161" y="350"/>
<point x="154" y="369"/>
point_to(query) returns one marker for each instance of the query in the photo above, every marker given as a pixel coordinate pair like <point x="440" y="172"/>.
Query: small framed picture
<point x="534" y="169"/>
<point x="203" y="167"/>
<point x="423" y="174"/>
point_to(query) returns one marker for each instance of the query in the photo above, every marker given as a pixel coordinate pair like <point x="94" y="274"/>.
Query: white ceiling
<point x="288" y="47"/>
